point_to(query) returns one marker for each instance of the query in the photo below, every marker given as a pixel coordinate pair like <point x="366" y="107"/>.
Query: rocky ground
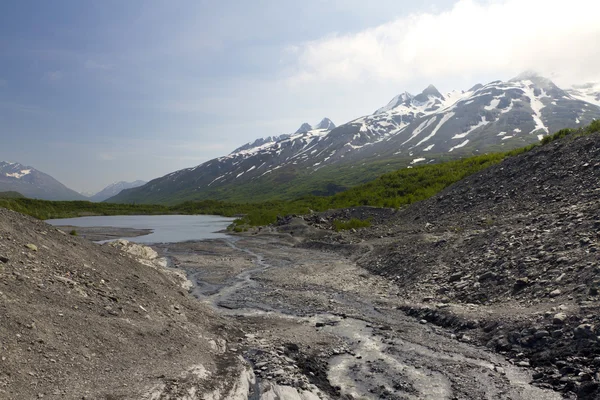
<point x="487" y="291"/>
<point x="508" y="256"/>
<point x="317" y="325"/>
<point x="84" y="321"/>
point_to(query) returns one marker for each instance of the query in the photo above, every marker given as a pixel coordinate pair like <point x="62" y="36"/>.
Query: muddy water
<point x="317" y="300"/>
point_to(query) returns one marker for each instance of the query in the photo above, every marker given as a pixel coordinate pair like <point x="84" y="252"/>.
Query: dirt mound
<point x="81" y="320"/>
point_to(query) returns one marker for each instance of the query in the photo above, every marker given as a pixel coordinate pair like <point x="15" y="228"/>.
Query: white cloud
<point x="556" y="38"/>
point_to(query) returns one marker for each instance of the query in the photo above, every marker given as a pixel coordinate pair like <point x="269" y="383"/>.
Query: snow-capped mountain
<point x="114" y="189"/>
<point x="410" y="128"/>
<point x="325" y="124"/>
<point x="33" y="184"/>
<point x="589" y="92"/>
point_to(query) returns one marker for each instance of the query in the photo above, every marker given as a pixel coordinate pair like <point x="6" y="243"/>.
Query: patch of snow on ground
<point x="493" y="105"/>
<point x="517" y="130"/>
<point x="502" y="134"/>
<point x="216" y="179"/>
<point x="424" y="125"/>
<point x="507" y="137"/>
<point x="540" y="137"/>
<point x="444" y="119"/>
<point x="463" y="144"/>
<point x="429" y="147"/>
<point x="479" y="125"/>
<point x="19" y="175"/>
<point x="536" y="106"/>
<point x="417" y="160"/>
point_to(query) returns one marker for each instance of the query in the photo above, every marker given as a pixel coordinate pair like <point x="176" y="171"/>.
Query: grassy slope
<point x="11" y="195"/>
<point x="394" y="189"/>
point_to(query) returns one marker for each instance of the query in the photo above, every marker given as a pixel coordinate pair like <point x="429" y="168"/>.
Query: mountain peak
<point x="402" y="98"/>
<point x="526" y="75"/>
<point x="305" y="127"/>
<point x="432" y="91"/>
<point x="325" y="123"/>
<point x="534" y="77"/>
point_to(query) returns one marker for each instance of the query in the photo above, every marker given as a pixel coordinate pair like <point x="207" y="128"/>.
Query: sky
<point x="93" y="92"/>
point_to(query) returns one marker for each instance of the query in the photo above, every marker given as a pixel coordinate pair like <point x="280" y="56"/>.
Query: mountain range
<point x="410" y="130"/>
<point x="32" y="183"/>
<point x="114" y="189"/>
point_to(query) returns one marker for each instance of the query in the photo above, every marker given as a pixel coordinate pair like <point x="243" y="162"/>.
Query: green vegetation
<point x="73" y="233"/>
<point x="354" y="223"/>
<point x="588" y="130"/>
<point x="394" y="189"/>
<point x="11" y="195"/>
<point x="43" y="209"/>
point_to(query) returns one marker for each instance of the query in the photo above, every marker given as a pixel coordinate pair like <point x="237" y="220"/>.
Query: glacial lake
<point x="166" y="228"/>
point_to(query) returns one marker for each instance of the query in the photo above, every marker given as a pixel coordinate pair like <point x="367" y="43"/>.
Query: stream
<point x="327" y="313"/>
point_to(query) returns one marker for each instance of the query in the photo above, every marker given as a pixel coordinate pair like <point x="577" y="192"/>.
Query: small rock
<point x="541" y="334"/>
<point x="559" y="319"/>
<point x="31" y="247"/>
<point x="584" y="331"/>
<point x="455" y="277"/>
<point x="555" y="293"/>
<point x="486" y="275"/>
<point x="4" y="259"/>
<point x="521" y="283"/>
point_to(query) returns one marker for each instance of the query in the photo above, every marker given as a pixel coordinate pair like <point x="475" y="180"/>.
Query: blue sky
<point x="94" y="92"/>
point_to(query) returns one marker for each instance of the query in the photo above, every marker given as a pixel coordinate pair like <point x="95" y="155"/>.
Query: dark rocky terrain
<point x="507" y="257"/>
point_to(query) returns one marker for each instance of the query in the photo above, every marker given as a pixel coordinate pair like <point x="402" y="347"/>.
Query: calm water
<point x="167" y="228"/>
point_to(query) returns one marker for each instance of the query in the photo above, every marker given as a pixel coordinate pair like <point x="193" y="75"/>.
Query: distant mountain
<point x="326" y="124"/>
<point x="33" y="183"/>
<point x="409" y="130"/>
<point x="114" y="189"/>
<point x="589" y="92"/>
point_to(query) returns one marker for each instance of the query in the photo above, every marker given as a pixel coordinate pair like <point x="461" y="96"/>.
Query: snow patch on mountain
<point x="19" y="174"/>
<point x="444" y="119"/>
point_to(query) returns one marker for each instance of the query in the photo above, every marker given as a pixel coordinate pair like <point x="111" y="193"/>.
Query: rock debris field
<point x="488" y="290"/>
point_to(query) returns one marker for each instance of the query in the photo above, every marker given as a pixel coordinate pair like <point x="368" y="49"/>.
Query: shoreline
<point x="102" y="233"/>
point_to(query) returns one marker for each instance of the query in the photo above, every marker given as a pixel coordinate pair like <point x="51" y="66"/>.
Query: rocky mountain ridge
<point x="410" y="130"/>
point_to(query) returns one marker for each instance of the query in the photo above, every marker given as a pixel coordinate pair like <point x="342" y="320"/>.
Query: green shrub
<point x="560" y="134"/>
<point x="73" y="233"/>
